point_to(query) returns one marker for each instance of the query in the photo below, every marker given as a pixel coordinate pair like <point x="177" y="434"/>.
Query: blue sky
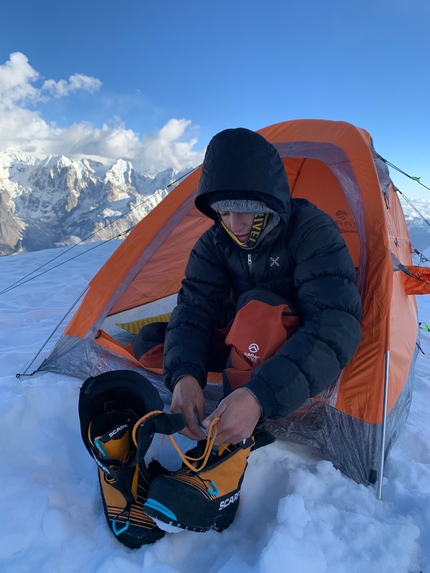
<point x="154" y="81"/>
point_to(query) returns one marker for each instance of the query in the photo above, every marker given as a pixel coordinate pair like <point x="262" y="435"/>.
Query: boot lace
<point x="189" y="461"/>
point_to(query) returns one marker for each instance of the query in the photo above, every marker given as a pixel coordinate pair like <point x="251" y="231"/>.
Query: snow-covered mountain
<point x="57" y="201"/>
<point x="419" y="229"/>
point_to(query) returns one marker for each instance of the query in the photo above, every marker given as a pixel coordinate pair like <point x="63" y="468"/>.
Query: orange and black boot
<point x="203" y="494"/>
<point x="119" y="413"/>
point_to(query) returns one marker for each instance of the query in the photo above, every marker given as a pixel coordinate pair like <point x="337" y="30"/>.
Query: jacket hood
<point x="241" y="164"/>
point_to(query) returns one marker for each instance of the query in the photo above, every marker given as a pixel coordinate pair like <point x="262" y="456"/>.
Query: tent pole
<point x="19" y="374"/>
<point x="384" y="424"/>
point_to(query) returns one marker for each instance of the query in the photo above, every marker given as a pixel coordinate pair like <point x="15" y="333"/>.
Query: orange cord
<point x="187" y="460"/>
<point x="141" y="420"/>
<point x="210" y="441"/>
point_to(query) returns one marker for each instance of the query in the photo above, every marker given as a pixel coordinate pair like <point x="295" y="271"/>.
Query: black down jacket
<point x="304" y="259"/>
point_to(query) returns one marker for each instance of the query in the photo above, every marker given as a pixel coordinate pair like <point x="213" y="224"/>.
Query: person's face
<point x="239" y="224"/>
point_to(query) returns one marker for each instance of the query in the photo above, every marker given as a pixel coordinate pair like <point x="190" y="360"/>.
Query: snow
<point x="298" y="513"/>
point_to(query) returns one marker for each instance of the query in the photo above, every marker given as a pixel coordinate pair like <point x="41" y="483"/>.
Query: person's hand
<point x="188" y="400"/>
<point x="239" y="413"/>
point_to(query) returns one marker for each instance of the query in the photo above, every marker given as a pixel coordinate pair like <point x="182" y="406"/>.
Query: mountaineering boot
<point x="202" y="497"/>
<point x="123" y="487"/>
<point x="119" y="413"/>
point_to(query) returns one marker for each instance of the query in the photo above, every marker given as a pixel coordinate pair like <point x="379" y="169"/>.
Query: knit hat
<point x="249" y="206"/>
<point x="241" y="206"/>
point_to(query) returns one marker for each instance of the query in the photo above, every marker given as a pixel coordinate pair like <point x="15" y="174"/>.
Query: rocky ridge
<point x="58" y="201"/>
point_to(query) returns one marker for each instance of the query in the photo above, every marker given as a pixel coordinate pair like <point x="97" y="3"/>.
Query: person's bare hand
<point x="239" y="413"/>
<point x="188" y="400"/>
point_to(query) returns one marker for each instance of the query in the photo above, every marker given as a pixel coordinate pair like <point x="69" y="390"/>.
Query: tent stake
<point x="18" y="375"/>
<point x="384" y="425"/>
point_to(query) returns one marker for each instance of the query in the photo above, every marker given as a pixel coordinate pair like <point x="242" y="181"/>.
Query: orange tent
<point x="334" y="165"/>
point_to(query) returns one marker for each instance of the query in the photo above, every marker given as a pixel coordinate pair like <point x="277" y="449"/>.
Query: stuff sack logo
<point x="251" y="355"/>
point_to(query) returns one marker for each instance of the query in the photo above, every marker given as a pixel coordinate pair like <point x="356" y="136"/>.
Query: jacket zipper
<point x="250" y="268"/>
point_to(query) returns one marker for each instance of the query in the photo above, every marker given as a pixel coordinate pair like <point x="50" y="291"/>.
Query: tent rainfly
<point x="357" y="419"/>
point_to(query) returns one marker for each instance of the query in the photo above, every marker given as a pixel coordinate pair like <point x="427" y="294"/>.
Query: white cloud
<point x="105" y="143"/>
<point x="22" y="126"/>
<point x="76" y="82"/>
<point x="16" y="78"/>
<point x="163" y="148"/>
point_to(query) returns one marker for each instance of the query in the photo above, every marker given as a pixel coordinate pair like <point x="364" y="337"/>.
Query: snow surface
<point x="298" y="514"/>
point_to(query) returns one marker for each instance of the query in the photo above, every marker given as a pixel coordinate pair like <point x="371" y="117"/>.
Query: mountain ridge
<point x="57" y="201"/>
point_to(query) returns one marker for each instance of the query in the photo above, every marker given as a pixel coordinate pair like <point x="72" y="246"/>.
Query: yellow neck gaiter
<point x="258" y="225"/>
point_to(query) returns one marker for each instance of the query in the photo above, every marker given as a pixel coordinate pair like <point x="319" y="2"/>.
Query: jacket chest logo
<point x="274" y="262"/>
